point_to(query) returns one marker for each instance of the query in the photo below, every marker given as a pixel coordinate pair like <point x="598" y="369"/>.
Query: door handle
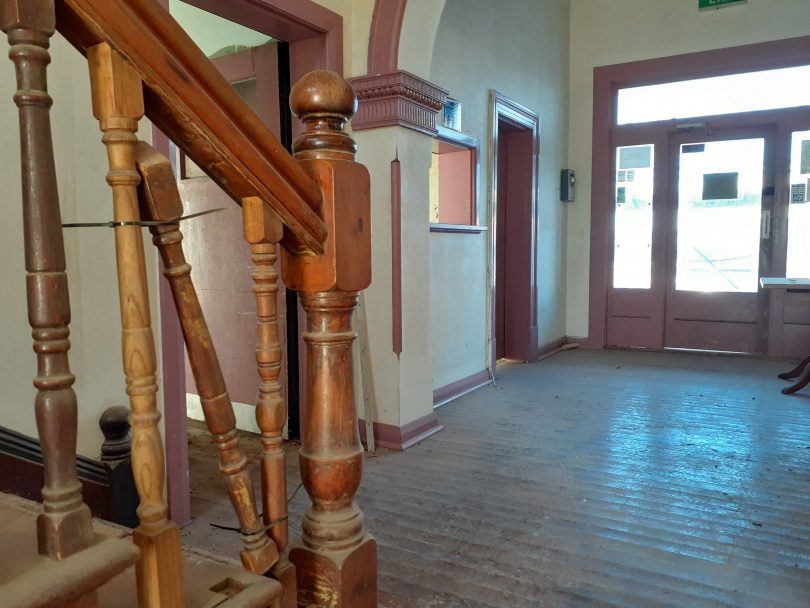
<point x="765" y="230"/>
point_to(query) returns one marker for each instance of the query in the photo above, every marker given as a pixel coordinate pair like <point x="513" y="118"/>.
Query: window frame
<point x="472" y="144"/>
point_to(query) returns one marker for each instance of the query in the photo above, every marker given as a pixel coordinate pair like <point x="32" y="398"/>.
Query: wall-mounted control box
<point x="568" y="183"/>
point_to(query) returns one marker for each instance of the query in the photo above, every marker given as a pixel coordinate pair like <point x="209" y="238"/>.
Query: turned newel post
<point x="116" y="455"/>
<point x="336" y="560"/>
<point x="114" y="425"/>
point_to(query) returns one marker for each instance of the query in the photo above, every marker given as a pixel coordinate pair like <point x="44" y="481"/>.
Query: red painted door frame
<point x="519" y="277"/>
<point x="607" y="81"/>
<point x="315" y="37"/>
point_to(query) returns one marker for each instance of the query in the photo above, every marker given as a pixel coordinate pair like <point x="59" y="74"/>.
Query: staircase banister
<point x="189" y="100"/>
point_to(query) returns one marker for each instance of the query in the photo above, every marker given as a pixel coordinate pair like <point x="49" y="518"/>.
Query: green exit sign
<point x="707" y="4"/>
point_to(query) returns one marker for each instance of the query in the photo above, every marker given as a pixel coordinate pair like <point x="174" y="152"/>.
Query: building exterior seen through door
<point x="721" y="191"/>
<point x="703" y="207"/>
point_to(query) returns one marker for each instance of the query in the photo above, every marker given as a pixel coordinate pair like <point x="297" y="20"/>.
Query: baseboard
<point x="245" y="413"/>
<point x="108" y="491"/>
<point x="553" y="347"/>
<point x="400" y="438"/>
<point x="456" y="389"/>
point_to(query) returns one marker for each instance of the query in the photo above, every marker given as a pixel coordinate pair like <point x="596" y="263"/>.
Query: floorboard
<point x="607" y="478"/>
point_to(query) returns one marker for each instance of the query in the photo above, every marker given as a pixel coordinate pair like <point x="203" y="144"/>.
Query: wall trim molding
<point x="383" y="40"/>
<point x="106" y="488"/>
<point x="522" y="295"/>
<point x="454" y="390"/>
<point x="552" y="348"/>
<point x="396" y="257"/>
<point x="400" y="438"/>
<point x="397" y="98"/>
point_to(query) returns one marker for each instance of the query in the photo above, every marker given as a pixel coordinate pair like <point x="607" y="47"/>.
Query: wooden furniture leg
<point x="796" y="371"/>
<point x="118" y="105"/>
<point x="336" y="559"/>
<point x="803" y="381"/>
<point x="263" y="230"/>
<point x="160" y="200"/>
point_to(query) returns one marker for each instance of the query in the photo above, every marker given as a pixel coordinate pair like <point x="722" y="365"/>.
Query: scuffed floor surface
<point x="588" y="479"/>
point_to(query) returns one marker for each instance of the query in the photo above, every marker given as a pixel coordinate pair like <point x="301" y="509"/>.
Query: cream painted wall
<point x="211" y="32"/>
<point x="81" y="164"/>
<point x="458" y="311"/>
<point x="418" y="35"/>
<point x="356" y="28"/>
<point x="522" y="53"/>
<point x="605" y="32"/>
<point x="402" y="384"/>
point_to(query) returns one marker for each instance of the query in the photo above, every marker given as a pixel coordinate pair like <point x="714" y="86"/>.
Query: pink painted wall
<point x="455" y="187"/>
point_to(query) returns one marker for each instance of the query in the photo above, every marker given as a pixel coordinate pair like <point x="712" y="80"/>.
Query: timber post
<point x="336" y="559"/>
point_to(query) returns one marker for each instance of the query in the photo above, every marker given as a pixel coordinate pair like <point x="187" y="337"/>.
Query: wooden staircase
<point x="315" y="204"/>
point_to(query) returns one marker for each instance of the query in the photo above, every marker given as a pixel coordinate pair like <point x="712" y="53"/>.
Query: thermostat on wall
<point x="567" y="185"/>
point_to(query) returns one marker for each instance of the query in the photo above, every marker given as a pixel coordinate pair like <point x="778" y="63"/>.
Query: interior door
<point x="720" y="207"/>
<point x="215" y="247"/>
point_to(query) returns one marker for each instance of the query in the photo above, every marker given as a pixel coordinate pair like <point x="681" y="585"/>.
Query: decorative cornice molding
<point x="398" y="98"/>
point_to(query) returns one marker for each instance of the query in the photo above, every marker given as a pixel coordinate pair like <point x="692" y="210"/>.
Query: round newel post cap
<point x="324" y="101"/>
<point x="114" y="423"/>
<point x="323" y="92"/>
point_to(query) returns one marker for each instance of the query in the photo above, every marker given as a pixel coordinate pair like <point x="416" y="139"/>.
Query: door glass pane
<point x="719" y="208"/>
<point x="798" y="250"/>
<point x="632" y="247"/>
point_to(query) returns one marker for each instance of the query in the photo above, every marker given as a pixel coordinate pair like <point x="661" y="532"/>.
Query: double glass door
<point x="693" y="228"/>
<point x="721" y="196"/>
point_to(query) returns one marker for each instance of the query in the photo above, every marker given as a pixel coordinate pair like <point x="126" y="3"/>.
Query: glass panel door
<point x="719" y="215"/>
<point x="720" y="241"/>
<point x="798" y="244"/>
<point x="632" y="245"/>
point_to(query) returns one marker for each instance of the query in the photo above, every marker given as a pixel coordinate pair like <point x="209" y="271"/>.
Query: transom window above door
<point x="730" y="94"/>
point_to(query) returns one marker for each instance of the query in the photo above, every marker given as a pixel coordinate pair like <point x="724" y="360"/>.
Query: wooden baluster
<point x="118" y="105"/>
<point x="160" y="200"/>
<point x="336" y="560"/>
<point x="263" y="230"/>
<point x="64" y="526"/>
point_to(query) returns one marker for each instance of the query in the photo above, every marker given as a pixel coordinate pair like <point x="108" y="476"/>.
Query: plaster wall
<point x="81" y="166"/>
<point x="402" y="384"/>
<point x="356" y="28"/>
<point x="523" y="54"/>
<point x="606" y="32"/>
<point x="418" y="36"/>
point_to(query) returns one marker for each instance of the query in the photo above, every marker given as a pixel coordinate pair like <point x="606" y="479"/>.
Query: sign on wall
<point x="707" y="4"/>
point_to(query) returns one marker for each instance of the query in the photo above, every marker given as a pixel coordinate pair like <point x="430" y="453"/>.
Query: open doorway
<point x="242" y="38"/>
<point x="513" y="175"/>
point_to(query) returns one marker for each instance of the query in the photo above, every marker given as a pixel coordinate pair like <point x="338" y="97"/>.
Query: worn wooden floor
<point x="588" y="479"/>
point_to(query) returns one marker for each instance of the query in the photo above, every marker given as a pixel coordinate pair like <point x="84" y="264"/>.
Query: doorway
<point x="513" y="175"/>
<point x="721" y="192"/>
<point x="314" y="40"/>
<point x="697" y="178"/>
<point x="692" y="237"/>
<point x="215" y="248"/>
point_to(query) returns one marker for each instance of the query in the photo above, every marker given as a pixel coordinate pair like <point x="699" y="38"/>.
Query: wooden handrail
<point x="188" y="99"/>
